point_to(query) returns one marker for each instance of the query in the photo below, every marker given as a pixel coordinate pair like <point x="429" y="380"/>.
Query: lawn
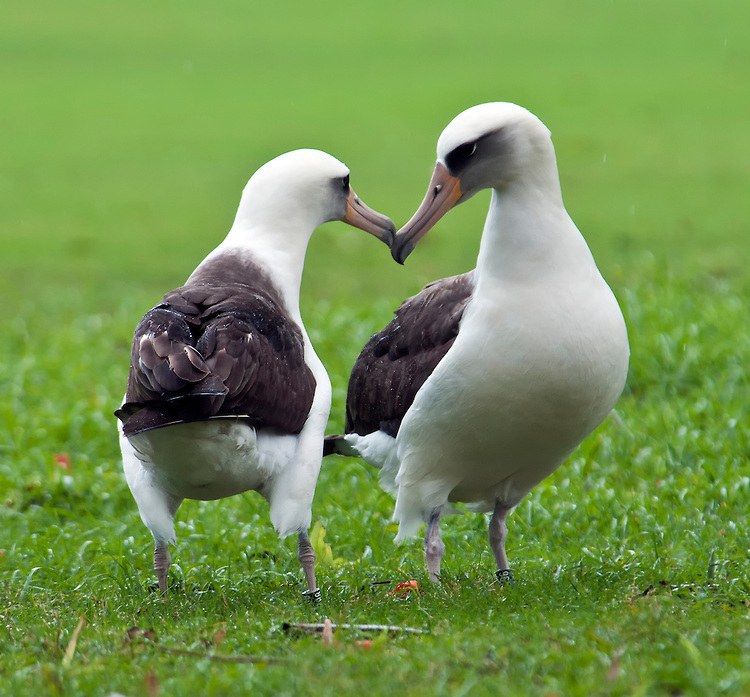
<point x="129" y="131"/>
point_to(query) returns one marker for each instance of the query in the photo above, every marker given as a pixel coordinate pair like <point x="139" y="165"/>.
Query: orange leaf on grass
<point x="404" y="589"/>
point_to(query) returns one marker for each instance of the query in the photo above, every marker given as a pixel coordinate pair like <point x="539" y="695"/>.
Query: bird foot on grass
<point x="504" y="576"/>
<point x="313" y="596"/>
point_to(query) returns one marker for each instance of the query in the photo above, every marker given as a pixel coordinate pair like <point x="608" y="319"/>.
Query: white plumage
<point x="539" y="351"/>
<point x="226" y="393"/>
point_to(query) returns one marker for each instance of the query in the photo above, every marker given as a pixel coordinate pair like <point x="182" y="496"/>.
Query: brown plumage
<point x="396" y="361"/>
<point x="218" y="346"/>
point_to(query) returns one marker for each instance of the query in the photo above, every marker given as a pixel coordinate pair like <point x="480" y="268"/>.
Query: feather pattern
<point x="219" y="348"/>
<point x="396" y="361"/>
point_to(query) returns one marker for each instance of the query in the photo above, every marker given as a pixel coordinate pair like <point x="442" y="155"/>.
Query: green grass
<point x="128" y="133"/>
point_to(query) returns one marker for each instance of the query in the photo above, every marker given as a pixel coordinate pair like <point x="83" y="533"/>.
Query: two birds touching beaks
<point x="478" y="389"/>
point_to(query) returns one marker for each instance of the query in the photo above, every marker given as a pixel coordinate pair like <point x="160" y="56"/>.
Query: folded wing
<point x="396" y="361"/>
<point x="212" y="350"/>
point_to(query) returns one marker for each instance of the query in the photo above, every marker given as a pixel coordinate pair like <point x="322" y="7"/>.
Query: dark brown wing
<point x="218" y="349"/>
<point x="397" y="360"/>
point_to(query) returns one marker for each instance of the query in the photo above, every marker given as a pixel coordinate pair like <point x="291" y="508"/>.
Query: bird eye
<point x="345" y="182"/>
<point x="459" y="157"/>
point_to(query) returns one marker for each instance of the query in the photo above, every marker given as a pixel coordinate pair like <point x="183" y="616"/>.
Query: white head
<point x="495" y="145"/>
<point x="302" y="189"/>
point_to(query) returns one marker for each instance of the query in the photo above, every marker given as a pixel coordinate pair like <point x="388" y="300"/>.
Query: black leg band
<point x="504" y="576"/>
<point x="313" y="596"/>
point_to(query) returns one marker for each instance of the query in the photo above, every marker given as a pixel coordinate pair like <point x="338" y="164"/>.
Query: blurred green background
<point x="130" y="129"/>
<point x="127" y="132"/>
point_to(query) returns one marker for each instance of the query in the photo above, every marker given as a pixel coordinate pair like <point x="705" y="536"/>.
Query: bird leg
<point x="498" y="531"/>
<point x="165" y="505"/>
<point x="306" y="556"/>
<point x="433" y="547"/>
<point x="162" y="560"/>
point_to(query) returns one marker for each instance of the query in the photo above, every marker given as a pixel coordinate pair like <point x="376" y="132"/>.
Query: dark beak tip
<point x="399" y="252"/>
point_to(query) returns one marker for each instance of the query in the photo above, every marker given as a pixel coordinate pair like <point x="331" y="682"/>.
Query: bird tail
<point x="337" y="445"/>
<point x="202" y="402"/>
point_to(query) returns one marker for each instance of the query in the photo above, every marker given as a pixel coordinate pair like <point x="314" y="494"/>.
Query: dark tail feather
<point x="329" y="445"/>
<point x="337" y="445"/>
<point x="201" y="403"/>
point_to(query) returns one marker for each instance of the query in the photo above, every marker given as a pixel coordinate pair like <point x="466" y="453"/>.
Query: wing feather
<point x="396" y="361"/>
<point x="217" y="348"/>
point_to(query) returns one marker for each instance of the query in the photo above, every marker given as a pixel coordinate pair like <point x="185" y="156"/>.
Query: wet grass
<point x="126" y="145"/>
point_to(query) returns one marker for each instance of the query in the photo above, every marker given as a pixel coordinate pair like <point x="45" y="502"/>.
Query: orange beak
<point x="365" y="218"/>
<point x="442" y="194"/>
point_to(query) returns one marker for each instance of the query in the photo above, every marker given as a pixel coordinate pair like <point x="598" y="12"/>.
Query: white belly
<point x="518" y="391"/>
<point x="213" y="459"/>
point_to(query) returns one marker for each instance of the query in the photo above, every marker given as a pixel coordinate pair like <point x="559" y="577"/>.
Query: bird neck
<point x="529" y="235"/>
<point x="279" y="250"/>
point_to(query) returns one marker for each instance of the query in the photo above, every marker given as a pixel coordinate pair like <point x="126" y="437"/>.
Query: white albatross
<point x="485" y="383"/>
<point x="225" y="392"/>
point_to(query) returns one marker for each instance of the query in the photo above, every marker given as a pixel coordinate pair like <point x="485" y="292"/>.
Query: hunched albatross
<point x="225" y="392"/>
<point x="484" y="383"/>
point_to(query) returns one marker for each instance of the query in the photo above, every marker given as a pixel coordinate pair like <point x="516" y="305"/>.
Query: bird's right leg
<point x="156" y="506"/>
<point x="306" y="556"/>
<point x="498" y="531"/>
<point x="433" y="546"/>
<point x="162" y="561"/>
<point x="160" y="520"/>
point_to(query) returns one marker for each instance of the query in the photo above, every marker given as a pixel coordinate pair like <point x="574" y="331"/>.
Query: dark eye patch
<point x="458" y="158"/>
<point x="345" y="182"/>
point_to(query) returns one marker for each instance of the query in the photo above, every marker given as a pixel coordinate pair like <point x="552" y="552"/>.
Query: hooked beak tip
<point x="443" y="192"/>
<point x="399" y="252"/>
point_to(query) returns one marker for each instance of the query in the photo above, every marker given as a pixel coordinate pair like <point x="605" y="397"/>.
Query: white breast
<point x="533" y="370"/>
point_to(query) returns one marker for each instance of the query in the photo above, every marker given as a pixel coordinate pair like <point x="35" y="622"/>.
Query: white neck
<point x="529" y="235"/>
<point x="278" y="246"/>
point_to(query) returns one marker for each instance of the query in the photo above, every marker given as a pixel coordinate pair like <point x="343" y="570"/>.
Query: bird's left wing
<point x="396" y="361"/>
<point x="213" y="350"/>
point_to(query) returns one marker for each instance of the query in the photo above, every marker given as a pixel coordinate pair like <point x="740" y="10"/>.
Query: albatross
<point x="225" y="393"/>
<point x="484" y="383"/>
